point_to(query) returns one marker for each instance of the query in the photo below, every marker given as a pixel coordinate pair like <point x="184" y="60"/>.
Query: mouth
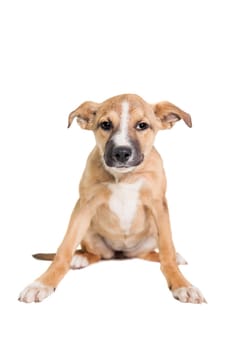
<point x="119" y="167"/>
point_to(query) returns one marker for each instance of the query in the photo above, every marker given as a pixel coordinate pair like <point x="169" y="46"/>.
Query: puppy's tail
<point x="44" y="256"/>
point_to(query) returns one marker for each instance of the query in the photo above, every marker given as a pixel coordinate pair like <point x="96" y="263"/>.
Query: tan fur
<point x="93" y="224"/>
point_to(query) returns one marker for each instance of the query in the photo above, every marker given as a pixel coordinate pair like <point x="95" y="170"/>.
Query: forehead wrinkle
<point x="110" y="106"/>
<point x="137" y="113"/>
<point x="113" y="115"/>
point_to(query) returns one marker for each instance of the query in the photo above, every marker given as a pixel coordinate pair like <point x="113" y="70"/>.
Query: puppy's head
<point x="125" y="127"/>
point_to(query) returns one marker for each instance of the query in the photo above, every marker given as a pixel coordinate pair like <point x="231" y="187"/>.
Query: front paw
<point x="189" y="294"/>
<point x="35" y="292"/>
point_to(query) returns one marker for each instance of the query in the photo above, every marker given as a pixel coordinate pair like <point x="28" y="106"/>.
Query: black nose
<point x="121" y="154"/>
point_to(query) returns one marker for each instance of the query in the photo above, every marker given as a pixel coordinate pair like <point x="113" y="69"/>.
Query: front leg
<point x="77" y="228"/>
<point x="180" y="287"/>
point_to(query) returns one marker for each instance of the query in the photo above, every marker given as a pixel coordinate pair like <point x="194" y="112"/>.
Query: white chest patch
<point x="124" y="201"/>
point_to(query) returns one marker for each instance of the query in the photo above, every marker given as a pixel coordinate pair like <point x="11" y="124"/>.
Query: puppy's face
<point x="125" y="127"/>
<point x="125" y="132"/>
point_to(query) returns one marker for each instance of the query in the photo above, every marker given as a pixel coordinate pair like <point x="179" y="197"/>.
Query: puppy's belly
<point x="140" y="238"/>
<point x="132" y="245"/>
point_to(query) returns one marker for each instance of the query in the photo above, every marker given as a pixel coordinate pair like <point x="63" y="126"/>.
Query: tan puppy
<point x="122" y="210"/>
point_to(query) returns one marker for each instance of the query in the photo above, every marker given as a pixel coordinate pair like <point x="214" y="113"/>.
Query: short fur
<point x="132" y="181"/>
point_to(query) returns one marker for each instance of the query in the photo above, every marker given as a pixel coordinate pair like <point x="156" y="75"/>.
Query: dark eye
<point x="106" y="125"/>
<point x="142" y="126"/>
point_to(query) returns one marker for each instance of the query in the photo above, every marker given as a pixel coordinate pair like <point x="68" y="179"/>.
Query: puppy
<point x="122" y="209"/>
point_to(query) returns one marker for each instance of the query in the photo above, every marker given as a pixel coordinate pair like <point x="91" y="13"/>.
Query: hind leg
<point x="93" y="250"/>
<point x="82" y="259"/>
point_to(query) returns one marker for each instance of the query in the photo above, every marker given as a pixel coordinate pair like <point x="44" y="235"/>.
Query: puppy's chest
<point x="124" y="202"/>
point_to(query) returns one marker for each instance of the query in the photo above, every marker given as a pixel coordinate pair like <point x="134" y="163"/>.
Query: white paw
<point x="180" y="260"/>
<point x="35" y="291"/>
<point x="189" y="295"/>
<point x="79" y="261"/>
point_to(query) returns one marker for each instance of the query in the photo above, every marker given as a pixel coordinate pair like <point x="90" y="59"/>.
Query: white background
<point x="54" y="56"/>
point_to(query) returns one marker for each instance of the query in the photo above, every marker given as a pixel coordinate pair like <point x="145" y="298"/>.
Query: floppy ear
<point x="169" y="114"/>
<point x="85" y="115"/>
